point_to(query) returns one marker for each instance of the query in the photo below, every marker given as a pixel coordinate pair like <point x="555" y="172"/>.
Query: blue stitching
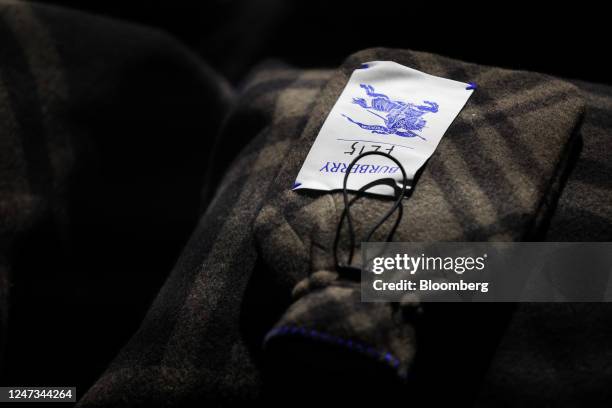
<point x="383" y="356"/>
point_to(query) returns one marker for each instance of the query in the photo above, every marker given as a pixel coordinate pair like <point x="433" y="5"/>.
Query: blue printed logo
<point x="400" y="118"/>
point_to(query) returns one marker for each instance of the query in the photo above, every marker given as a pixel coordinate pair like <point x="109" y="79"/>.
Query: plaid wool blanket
<point x="253" y="310"/>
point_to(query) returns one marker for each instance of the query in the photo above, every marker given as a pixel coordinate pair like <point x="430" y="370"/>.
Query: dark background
<point x="73" y="348"/>
<point x="569" y="39"/>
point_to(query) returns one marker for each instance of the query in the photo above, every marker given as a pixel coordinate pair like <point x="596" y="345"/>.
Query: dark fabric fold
<point x="558" y="354"/>
<point x="105" y="132"/>
<point x="200" y="341"/>
<point x="109" y="133"/>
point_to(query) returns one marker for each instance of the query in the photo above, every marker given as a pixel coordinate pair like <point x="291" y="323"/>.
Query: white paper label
<point x="384" y="107"/>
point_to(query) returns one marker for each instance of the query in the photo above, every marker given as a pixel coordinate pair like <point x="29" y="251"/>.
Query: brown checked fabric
<point x="200" y="340"/>
<point x="559" y="354"/>
<point x="583" y="212"/>
<point x="494" y="176"/>
<point x="259" y="268"/>
<point x="105" y="131"/>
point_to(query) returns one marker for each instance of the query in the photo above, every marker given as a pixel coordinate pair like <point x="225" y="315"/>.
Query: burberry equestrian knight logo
<point x="388" y="108"/>
<point x="400" y="118"/>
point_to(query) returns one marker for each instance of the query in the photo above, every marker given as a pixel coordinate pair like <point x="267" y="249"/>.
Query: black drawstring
<point x="399" y="192"/>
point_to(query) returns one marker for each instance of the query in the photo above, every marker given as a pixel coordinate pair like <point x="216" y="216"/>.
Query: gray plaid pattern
<point x="495" y="176"/>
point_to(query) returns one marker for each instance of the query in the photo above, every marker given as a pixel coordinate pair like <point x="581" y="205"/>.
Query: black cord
<point x="399" y="192"/>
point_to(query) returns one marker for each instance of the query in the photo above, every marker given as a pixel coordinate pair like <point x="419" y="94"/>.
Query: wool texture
<point x="102" y="120"/>
<point x="258" y="270"/>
